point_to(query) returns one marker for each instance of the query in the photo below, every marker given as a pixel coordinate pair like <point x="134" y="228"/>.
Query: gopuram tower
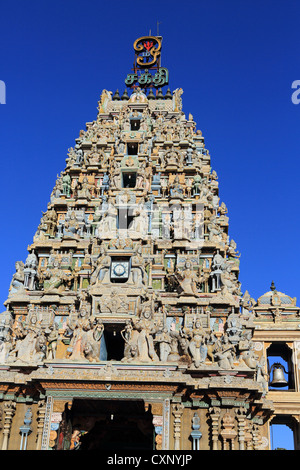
<point x="125" y="327"/>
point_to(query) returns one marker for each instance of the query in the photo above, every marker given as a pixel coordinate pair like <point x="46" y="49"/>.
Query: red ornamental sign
<point x="148" y="45"/>
<point x="147" y="49"/>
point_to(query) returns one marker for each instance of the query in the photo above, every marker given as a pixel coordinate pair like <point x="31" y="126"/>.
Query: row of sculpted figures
<point x="149" y="336"/>
<point x="94" y="184"/>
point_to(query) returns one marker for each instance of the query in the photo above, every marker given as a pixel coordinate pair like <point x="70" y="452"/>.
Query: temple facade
<point x="126" y="327"/>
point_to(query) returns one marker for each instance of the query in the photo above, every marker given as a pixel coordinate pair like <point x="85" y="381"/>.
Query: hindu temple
<point x="126" y="328"/>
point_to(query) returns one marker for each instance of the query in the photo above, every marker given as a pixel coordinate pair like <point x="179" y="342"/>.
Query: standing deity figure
<point x="30" y="271"/>
<point x="164" y="339"/>
<point x="126" y="334"/>
<point x="52" y="341"/>
<point x="141" y="342"/>
<point x="92" y="340"/>
<point x="17" y="281"/>
<point x="66" y="184"/>
<point x="197" y="343"/>
<point x="86" y="335"/>
<point x="140" y="225"/>
<point x="108" y="224"/>
<point x="177" y="100"/>
<point x="145" y="328"/>
<point x="105" y="98"/>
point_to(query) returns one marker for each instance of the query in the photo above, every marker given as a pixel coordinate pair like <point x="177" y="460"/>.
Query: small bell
<point x="278" y="375"/>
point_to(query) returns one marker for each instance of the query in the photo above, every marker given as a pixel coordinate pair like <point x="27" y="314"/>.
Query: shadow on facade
<point x="92" y="424"/>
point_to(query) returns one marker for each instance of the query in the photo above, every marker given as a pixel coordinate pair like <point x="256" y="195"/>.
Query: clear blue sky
<point x="235" y="60"/>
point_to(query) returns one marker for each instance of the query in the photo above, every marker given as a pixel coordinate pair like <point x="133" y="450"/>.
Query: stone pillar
<point x="214" y="416"/>
<point x="47" y="424"/>
<point x="9" y="410"/>
<point x="256" y="437"/>
<point x="241" y="418"/>
<point x="177" y="413"/>
<point x="40" y="420"/>
<point x="248" y="435"/>
<point x="228" y="432"/>
<point x="166" y="425"/>
<point x="196" y="434"/>
<point x="26" y="429"/>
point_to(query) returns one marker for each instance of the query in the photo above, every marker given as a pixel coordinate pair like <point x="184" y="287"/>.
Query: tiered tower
<point x="126" y="324"/>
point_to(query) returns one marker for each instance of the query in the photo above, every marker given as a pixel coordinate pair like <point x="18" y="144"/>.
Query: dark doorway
<point x="113" y="424"/>
<point x="114" y="342"/>
<point x="129" y="179"/>
<point x="135" y="124"/>
<point x="132" y="148"/>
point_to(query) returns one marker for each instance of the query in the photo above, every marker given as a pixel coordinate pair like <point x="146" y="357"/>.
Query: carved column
<point x="248" y="435"/>
<point x="241" y="418"/>
<point x="47" y="424"/>
<point x="228" y="432"/>
<point x="256" y="437"/>
<point x="40" y="423"/>
<point x="166" y="425"/>
<point x="214" y="416"/>
<point x="9" y="411"/>
<point x="177" y="413"/>
<point x="196" y="434"/>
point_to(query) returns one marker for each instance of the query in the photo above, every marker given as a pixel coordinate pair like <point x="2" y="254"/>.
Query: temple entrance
<point x="112" y="424"/>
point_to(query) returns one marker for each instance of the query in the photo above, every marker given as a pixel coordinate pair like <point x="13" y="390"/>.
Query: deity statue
<point x="29" y="344"/>
<point x="48" y="222"/>
<point x="143" y="330"/>
<point x="66" y="183"/>
<point x="164" y="340"/>
<point x="17" y="281"/>
<point x="107" y="226"/>
<point x="85" y="342"/>
<point x="71" y="224"/>
<point x="101" y="269"/>
<point x="30" y="270"/>
<point x="261" y="374"/>
<point x="187" y="280"/>
<point x="126" y="334"/>
<point x="140" y="224"/>
<point x="92" y="340"/>
<point x="234" y="327"/>
<point x="105" y="98"/>
<point x="197" y="343"/>
<point x="176" y="188"/>
<point x="52" y="341"/>
<point x="225" y="353"/>
<point x="177" y="100"/>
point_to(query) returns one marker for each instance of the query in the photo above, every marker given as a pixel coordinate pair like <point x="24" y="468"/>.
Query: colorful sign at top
<point x="147" y="59"/>
<point x="147" y="51"/>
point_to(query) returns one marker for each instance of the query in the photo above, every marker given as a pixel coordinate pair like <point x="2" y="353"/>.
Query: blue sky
<point x="236" y="61"/>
